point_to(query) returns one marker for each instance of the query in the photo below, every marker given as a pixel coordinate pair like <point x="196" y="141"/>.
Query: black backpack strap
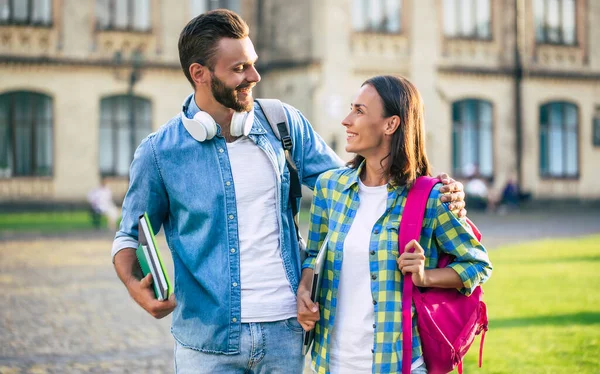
<point x="273" y="110"/>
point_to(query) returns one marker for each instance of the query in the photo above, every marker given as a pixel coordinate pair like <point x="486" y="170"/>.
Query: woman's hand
<point x="308" y="312"/>
<point x="413" y="262"/>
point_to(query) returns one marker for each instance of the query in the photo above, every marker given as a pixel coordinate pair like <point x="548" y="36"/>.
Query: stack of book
<point x="150" y="261"/>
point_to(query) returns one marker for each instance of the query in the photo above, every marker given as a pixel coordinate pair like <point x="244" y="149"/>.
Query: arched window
<point x="559" y="123"/>
<point x="122" y="128"/>
<point x="25" y="134"/>
<point x="472" y="138"/>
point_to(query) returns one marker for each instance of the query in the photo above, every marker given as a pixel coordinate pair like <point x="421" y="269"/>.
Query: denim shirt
<point x="186" y="186"/>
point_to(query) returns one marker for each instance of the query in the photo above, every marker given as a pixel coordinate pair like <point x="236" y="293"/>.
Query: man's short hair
<point x="199" y="38"/>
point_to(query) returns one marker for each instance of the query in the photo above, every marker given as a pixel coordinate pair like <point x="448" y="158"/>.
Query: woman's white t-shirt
<point x="353" y="333"/>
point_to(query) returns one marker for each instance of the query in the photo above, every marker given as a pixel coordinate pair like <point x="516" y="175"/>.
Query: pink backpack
<point x="446" y="319"/>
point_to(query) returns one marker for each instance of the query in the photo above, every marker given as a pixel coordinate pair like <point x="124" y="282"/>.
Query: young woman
<point x="357" y="319"/>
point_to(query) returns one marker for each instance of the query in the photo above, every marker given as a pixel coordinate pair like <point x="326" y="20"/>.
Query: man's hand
<point x="143" y="294"/>
<point x="141" y="291"/>
<point x="308" y="312"/>
<point x="454" y="193"/>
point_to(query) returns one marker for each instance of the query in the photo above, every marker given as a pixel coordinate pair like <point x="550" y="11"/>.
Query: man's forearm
<point x="128" y="270"/>
<point x="126" y="265"/>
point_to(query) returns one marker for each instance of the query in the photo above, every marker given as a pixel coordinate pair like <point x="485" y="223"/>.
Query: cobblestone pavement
<point x="64" y="310"/>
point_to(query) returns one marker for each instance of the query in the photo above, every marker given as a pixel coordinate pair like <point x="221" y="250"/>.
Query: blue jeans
<point x="266" y="347"/>
<point x="422" y="369"/>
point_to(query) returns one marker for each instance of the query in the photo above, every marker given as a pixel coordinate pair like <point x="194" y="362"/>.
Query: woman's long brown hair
<point x="408" y="158"/>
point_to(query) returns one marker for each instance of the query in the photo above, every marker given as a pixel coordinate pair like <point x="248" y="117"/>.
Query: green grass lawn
<point x="544" y="309"/>
<point x="47" y="221"/>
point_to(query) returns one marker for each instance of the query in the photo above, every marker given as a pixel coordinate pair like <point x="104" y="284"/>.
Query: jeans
<point x="266" y="347"/>
<point x="422" y="369"/>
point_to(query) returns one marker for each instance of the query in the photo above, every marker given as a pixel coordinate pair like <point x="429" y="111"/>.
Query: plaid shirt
<point x="335" y="202"/>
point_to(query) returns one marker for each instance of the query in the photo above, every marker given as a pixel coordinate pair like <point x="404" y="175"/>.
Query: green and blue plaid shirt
<point x="335" y="202"/>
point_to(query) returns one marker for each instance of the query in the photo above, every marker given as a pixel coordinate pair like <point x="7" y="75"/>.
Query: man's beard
<point x="228" y="97"/>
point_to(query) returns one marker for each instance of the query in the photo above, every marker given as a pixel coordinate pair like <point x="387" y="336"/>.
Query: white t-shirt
<point x="352" y="336"/>
<point x="100" y="199"/>
<point x="266" y="293"/>
<point x="476" y="187"/>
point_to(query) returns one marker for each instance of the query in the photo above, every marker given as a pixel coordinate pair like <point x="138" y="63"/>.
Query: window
<point x="555" y="21"/>
<point x="25" y="134"/>
<point x="127" y="15"/>
<point x="121" y="131"/>
<point x="472" y="137"/>
<point x="201" y="6"/>
<point x="596" y="127"/>
<point x="558" y="140"/>
<point x="377" y="16"/>
<point x="468" y="19"/>
<point x="26" y="12"/>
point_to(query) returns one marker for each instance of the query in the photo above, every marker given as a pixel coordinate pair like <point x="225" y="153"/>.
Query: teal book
<point x="150" y="260"/>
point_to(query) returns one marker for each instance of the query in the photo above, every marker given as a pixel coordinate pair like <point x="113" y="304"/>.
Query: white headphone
<point x="203" y="127"/>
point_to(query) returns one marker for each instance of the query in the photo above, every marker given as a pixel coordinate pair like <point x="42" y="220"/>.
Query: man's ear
<point x="392" y="125"/>
<point x="199" y="73"/>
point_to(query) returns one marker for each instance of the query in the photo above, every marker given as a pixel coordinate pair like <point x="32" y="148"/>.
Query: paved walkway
<point x="519" y="227"/>
<point x="65" y="311"/>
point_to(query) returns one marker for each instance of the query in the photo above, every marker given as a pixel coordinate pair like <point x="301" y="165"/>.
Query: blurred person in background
<point x="102" y="205"/>
<point x="480" y="196"/>
<point x="357" y="318"/>
<point x="223" y="203"/>
<point x="512" y="196"/>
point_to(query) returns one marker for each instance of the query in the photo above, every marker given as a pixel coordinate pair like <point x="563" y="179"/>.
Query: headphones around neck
<point x="203" y="127"/>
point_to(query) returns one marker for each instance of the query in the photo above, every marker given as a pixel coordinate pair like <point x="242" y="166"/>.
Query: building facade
<point x="70" y="72"/>
<point x="510" y="86"/>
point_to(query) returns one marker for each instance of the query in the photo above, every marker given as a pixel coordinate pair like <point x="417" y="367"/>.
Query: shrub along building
<point x="512" y="87"/>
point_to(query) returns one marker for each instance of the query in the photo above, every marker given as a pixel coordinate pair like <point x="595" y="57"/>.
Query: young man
<point x="223" y="202"/>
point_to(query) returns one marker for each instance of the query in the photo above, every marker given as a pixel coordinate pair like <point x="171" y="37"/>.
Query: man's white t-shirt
<point x="266" y="293"/>
<point x="353" y="334"/>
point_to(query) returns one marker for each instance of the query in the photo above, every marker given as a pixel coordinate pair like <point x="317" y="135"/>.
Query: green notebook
<point x="150" y="260"/>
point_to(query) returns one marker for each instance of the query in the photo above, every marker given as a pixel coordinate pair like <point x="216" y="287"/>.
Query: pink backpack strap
<point x="410" y="228"/>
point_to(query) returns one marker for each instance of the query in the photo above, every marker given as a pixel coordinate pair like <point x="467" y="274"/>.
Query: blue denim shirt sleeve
<point x="146" y="193"/>
<point x="311" y="154"/>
